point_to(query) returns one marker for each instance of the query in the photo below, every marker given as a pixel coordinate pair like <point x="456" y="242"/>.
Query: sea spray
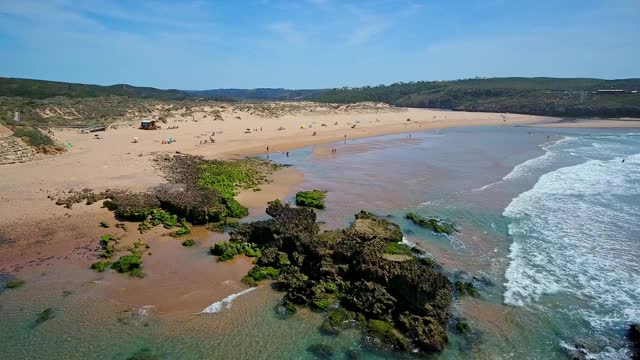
<point x="225" y="303"/>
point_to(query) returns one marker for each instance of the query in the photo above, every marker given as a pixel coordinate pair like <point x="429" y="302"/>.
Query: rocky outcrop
<point x="404" y="303"/>
<point x="14" y="150"/>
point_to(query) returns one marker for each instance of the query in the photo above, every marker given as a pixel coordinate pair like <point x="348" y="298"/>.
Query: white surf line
<point x="524" y="168"/>
<point x="224" y="303"/>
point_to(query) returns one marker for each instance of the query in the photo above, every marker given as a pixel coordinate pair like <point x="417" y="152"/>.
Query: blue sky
<point x="196" y="44"/>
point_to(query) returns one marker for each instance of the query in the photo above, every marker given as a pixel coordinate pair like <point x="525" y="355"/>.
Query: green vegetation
<point x="432" y="224"/>
<point x="106" y="245"/>
<point x="101" y="265"/>
<point x="189" y="243"/>
<point x="385" y="332"/>
<point x="45" y="315"/>
<point x="259" y="273"/>
<point x="321" y="302"/>
<point x="397" y="249"/>
<point x="235" y="209"/>
<point x="466" y="288"/>
<point x="226" y="177"/>
<point x="159" y="216"/>
<point x="313" y="198"/>
<point x="337" y="320"/>
<point x="41" y="89"/>
<point x="539" y="96"/>
<point x="183" y="231"/>
<point x="131" y="264"/>
<point x="14" y="284"/>
<point x="227" y="250"/>
<point x="462" y="326"/>
<point x="34" y="137"/>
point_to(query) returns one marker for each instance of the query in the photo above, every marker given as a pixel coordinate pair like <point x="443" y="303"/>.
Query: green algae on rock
<point x="14" y="284"/>
<point x="433" y="224"/>
<point x="404" y="304"/>
<point x="313" y="198"/>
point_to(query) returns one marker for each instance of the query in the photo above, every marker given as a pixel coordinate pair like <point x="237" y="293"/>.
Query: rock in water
<point x="634" y="337"/>
<point x="399" y="304"/>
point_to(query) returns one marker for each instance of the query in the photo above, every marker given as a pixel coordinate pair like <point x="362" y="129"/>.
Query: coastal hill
<point x="42" y="89"/>
<point x="258" y="94"/>
<point x="579" y="97"/>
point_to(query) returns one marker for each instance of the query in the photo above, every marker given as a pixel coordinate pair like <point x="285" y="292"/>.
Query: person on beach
<point x="287" y="154"/>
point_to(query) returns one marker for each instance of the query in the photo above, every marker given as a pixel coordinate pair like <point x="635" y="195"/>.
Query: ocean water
<point x="548" y="222"/>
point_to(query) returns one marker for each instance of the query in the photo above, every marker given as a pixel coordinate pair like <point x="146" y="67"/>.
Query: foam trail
<point x="225" y="303"/>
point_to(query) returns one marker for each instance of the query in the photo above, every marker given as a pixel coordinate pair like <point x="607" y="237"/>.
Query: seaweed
<point x="313" y="198"/>
<point x="433" y="224"/>
<point x="14" y="284"/>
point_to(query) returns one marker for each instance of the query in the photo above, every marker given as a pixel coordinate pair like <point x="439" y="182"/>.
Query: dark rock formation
<point x="634" y="337"/>
<point x="400" y="301"/>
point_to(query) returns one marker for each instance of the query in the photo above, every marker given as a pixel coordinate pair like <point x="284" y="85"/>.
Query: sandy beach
<point x="114" y="161"/>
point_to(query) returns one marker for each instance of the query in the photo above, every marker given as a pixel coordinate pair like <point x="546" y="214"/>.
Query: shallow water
<point x="546" y="219"/>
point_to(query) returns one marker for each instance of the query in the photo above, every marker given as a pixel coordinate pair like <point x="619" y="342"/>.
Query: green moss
<point x="188" y="243"/>
<point x="14" y="284"/>
<point x="227" y="250"/>
<point x="466" y="288"/>
<point x="227" y="177"/>
<point x="462" y="326"/>
<point x="183" y="231"/>
<point x="337" y="320"/>
<point x="385" y="332"/>
<point x="216" y="226"/>
<point x="235" y="209"/>
<point x="313" y="198"/>
<point x="259" y="273"/>
<point x="144" y="226"/>
<point x="100" y="266"/>
<point x="283" y="259"/>
<point x="397" y="249"/>
<point x="432" y="224"/>
<point x="127" y="263"/>
<point x="159" y="216"/>
<point x="321" y="302"/>
<point x="289" y="307"/>
<point x="331" y="287"/>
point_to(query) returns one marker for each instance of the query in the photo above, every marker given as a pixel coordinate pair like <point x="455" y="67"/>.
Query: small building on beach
<point x="148" y="125"/>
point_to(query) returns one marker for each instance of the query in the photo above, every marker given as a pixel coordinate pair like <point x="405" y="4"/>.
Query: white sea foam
<point x="225" y="303"/>
<point x="407" y="242"/>
<point x="607" y="353"/>
<point x="574" y="233"/>
<point x="527" y="167"/>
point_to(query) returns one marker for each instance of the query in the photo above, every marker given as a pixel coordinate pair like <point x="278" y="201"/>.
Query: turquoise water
<point x="547" y="228"/>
